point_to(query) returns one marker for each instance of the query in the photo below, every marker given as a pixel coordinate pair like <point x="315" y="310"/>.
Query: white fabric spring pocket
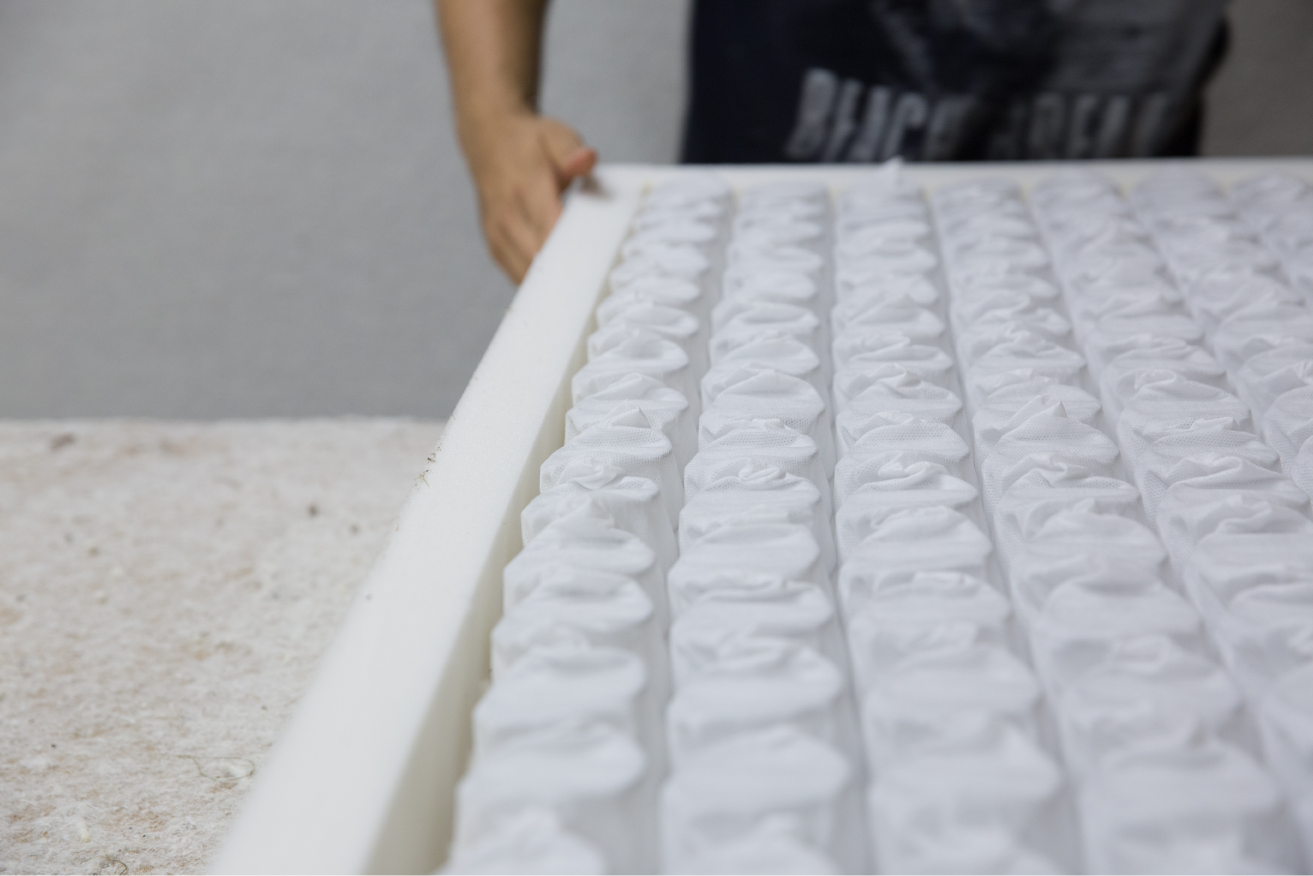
<point x="1156" y="444"/>
<point x="1237" y="341"/>
<point x="926" y="378"/>
<point x="1125" y="375"/>
<point x="920" y="599"/>
<point x="743" y="692"/>
<point x="1020" y="520"/>
<point x="882" y="305"/>
<point x="904" y="442"/>
<point x="753" y="233"/>
<point x="881" y="647"/>
<point x="853" y="425"/>
<point x="663" y="212"/>
<point x="1080" y="625"/>
<point x="1010" y="390"/>
<point x="687" y="190"/>
<point x="666" y="409"/>
<point x="758" y="485"/>
<point x="684" y="262"/>
<point x="580" y="608"/>
<point x="894" y="261"/>
<point x="1051" y="437"/>
<point x="1261" y="616"/>
<point x="868" y="507"/>
<point x="780" y="287"/>
<point x="990" y="303"/>
<point x="764" y="320"/>
<point x="897" y="389"/>
<point x="665" y="291"/>
<point x="985" y="805"/>
<point x="920" y="539"/>
<point x="779" y="352"/>
<point x="748" y="257"/>
<point x="772" y="847"/>
<point x="651" y="356"/>
<point x="726" y="793"/>
<point x="904" y="317"/>
<point x="1288" y="425"/>
<point x="855" y="297"/>
<point x="1155" y="394"/>
<point x="996" y="420"/>
<point x="526" y="840"/>
<point x="1199" y="808"/>
<point x="1146" y="693"/>
<point x="1056" y="534"/>
<point x="860" y="234"/>
<point x="633" y="504"/>
<point x="1202" y="478"/>
<point x="788" y="549"/>
<point x="1023" y="349"/>
<point x="589" y="775"/>
<point x="1265" y="378"/>
<point x="1285" y="719"/>
<point x="1033" y="577"/>
<point x="675" y="231"/>
<point x="760" y="394"/>
<point x="1040" y="321"/>
<point x="1152" y="302"/>
<point x="1215" y="302"/>
<point x="767" y="442"/>
<point x="733" y="606"/>
<point x="564" y="687"/>
<point x="642" y="318"/>
<point x="1045" y="477"/>
<point x="980" y="677"/>
<point x="586" y="540"/>
<point x="1183" y="526"/>
<point x="627" y="441"/>
<point x="871" y="351"/>
<point x="898" y="486"/>
<point x="1168" y="463"/>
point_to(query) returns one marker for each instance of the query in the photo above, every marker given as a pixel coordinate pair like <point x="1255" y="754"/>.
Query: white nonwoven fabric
<point x="772" y="847"/>
<point x="563" y="686"/>
<point x="589" y="775"/>
<point x="648" y="355"/>
<point x="587" y="540"/>
<point x="580" y="608"/>
<point x="769" y="442"/>
<point x="666" y="409"/>
<point x="528" y="840"/>
<point x="768" y="351"/>
<point x="776" y="546"/>
<point x="628" y="442"/>
<point x="727" y="792"/>
<point x="742" y="693"/>
<point x="754" y="605"/>
<point x="670" y="323"/>
<point x="634" y="504"/>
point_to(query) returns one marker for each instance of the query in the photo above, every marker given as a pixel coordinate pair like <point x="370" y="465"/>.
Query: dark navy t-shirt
<point x="868" y="80"/>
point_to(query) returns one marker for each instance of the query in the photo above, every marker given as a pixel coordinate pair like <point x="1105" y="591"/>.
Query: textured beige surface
<point x="165" y="590"/>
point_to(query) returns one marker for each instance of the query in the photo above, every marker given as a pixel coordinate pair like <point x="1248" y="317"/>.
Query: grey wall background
<point x="256" y="208"/>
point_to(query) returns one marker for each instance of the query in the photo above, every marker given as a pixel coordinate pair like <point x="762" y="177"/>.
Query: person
<point x="848" y="80"/>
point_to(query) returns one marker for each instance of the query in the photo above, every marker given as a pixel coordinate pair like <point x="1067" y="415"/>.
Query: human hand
<point x="521" y="165"/>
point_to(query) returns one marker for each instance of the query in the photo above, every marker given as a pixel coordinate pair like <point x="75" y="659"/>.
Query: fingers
<point x="520" y="190"/>
<point x="569" y="155"/>
<point x="580" y="163"/>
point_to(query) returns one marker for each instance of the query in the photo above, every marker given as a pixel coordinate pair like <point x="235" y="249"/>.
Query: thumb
<point x="569" y="155"/>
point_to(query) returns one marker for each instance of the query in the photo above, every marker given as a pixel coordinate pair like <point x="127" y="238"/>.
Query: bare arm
<point x="521" y="162"/>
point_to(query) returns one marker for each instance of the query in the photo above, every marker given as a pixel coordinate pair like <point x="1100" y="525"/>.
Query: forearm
<point x="493" y="51"/>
